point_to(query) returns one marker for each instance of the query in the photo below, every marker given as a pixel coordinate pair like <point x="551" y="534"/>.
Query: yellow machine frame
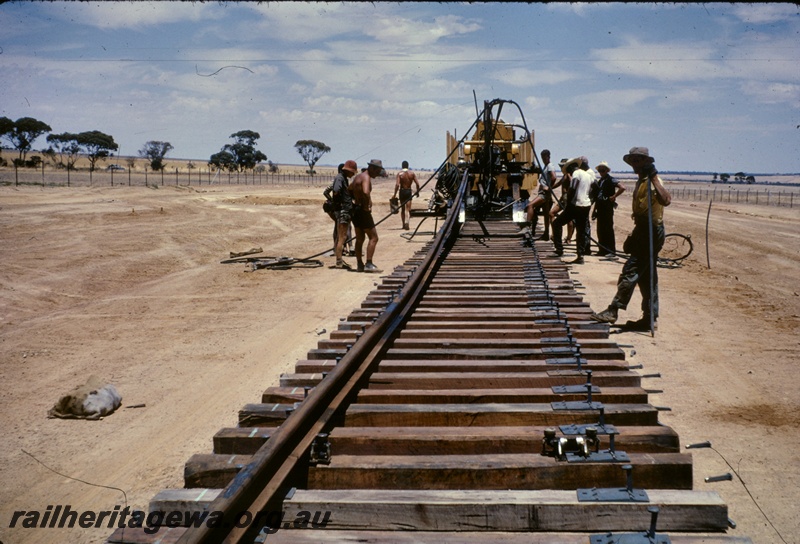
<point x="504" y="138"/>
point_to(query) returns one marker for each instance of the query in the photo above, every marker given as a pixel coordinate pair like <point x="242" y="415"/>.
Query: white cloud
<point x="765" y="13"/>
<point x="773" y="93"/>
<point x="525" y="77"/>
<point x="537" y="102"/>
<point x="580" y="9"/>
<point x="661" y="61"/>
<point x="307" y="22"/>
<point x="109" y="15"/>
<point x="415" y="33"/>
<point x="614" y="102"/>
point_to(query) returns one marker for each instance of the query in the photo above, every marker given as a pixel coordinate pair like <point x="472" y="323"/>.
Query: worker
<point x="364" y="224"/>
<point x="641" y="263"/>
<point x="605" y="192"/>
<point x="543" y="198"/>
<point x="405" y="178"/>
<point x="343" y="208"/>
<point x="578" y="207"/>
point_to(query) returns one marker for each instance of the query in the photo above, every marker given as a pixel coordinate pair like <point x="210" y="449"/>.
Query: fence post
<point x="176" y="177"/>
<point x="68" y="169"/>
<point x="129" y="177"/>
<point x="42" y="173"/>
<point x="16" y="175"/>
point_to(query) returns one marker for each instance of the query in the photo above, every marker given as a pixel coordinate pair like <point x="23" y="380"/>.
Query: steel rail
<point x="263" y="483"/>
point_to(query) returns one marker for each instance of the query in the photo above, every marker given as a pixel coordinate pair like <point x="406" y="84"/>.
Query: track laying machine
<point x="498" y="162"/>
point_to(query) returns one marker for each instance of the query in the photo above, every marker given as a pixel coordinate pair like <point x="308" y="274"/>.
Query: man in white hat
<point x="577" y="209"/>
<point x="363" y="222"/>
<point x="639" y="266"/>
<point x="604" y="194"/>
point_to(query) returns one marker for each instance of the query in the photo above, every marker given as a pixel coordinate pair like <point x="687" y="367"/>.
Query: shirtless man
<point x="361" y="188"/>
<point x="547" y="180"/>
<point x="404" y="179"/>
<point x="560" y="204"/>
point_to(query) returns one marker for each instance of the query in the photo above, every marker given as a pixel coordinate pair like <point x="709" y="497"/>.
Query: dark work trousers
<point x="587" y="238"/>
<point x="605" y="227"/>
<point x="579" y="214"/>
<point x="637" y="268"/>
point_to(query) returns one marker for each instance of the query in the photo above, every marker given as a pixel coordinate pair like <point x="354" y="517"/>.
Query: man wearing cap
<point x="639" y="266"/>
<point x="604" y="193"/>
<point x="343" y="208"/>
<point x="328" y="207"/>
<point x="361" y="189"/>
<point x="577" y="209"/>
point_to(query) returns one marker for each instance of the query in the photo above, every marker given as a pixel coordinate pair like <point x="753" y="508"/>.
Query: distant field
<point x="774" y="190"/>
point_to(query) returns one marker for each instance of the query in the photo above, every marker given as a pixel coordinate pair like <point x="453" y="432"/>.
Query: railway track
<point x="469" y="399"/>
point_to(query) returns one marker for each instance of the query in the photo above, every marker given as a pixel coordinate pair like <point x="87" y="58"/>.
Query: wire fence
<point x="767" y="196"/>
<point x="185" y="177"/>
<point x="48" y="177"/>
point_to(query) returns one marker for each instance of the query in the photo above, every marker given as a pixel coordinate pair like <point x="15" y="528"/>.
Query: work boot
<point x="369" y="267"/>
<point x="609" y="315"/>
<point x="579" y="260"/>
<point x="641" y="325"/>
<point x="360" y="266"/>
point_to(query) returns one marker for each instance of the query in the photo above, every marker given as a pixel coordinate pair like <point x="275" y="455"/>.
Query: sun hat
<point x="350" y="166"/>
<point x="576" y="161"/>
<point x="638" y="152"/>
<point x="604" y="165"/>
<point x="376" y="163"/>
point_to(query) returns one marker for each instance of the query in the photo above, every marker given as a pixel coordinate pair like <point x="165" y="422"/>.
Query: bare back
<point x="405" y="178"/>
<point x="361" y="187"/>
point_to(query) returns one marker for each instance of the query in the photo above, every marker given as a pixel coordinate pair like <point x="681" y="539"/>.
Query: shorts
<point x="362" y="219"/>
<point x="405" y="195"/>
<point x="344" y="215"/>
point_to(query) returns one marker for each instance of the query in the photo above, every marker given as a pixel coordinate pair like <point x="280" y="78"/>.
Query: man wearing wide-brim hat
<point x="641" y="263"/>
<point x="363" y="222"/>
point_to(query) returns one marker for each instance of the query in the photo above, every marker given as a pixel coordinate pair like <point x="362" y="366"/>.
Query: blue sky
<point x="710" y="87"/>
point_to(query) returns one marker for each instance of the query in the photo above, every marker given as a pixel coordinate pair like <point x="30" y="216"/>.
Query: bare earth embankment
<point x="126" y="283"/>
